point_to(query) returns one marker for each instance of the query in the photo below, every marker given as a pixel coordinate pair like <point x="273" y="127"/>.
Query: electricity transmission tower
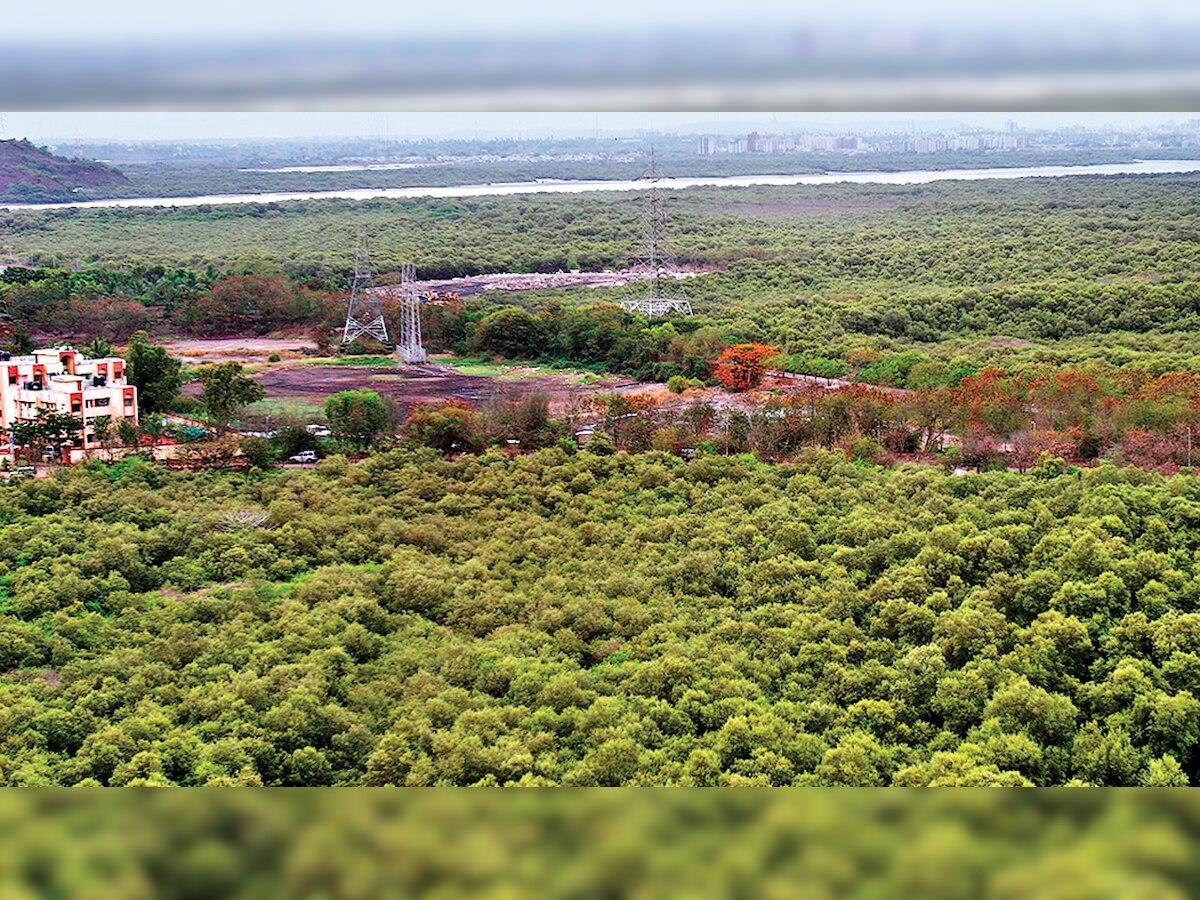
<point x="365" y="312"/>
<point x="653" y="297"/>
<point x="410" y="348"/>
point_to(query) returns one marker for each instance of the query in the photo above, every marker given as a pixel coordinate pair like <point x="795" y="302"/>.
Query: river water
<point x="550" y="186"/>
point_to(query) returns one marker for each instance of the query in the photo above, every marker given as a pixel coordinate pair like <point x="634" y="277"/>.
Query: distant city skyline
<point x="199" y="126"/>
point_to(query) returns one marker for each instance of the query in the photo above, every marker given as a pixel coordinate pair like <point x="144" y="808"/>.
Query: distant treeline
<point x="113" y="304"/>
<point x="867" y="280"/>
<point x="841" y="237"/>
<point x="907" y="340"/>
<point x="210" y="174"/>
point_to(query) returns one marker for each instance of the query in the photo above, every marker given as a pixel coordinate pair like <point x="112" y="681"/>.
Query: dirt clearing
<point x="239" y="349"/>
<point x="432" y="384"/>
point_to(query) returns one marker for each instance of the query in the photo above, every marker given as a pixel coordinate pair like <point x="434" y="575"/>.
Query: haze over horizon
<point x="200" y="126"/>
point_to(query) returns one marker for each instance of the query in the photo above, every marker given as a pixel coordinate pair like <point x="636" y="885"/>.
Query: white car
<point x="304" y="456"/>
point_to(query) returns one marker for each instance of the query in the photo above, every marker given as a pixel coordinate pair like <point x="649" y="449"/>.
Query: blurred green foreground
<point x="83" y="844"/>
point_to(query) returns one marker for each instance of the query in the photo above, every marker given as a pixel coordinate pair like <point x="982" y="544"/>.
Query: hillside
<point x="29" y="173"/>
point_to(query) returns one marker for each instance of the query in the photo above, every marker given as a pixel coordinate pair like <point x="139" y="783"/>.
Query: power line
<point x="410" y="348"/>
<point x="364" y="314"/>
<point x="656" y="260"/>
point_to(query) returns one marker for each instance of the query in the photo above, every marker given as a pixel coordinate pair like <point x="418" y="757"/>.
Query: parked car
<point x="317" y="430"/>
<point x="304" y="456"/>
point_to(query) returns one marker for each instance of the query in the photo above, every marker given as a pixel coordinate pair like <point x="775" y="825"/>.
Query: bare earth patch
<point x="433" y="384"/>
<point x="238" y="349"/>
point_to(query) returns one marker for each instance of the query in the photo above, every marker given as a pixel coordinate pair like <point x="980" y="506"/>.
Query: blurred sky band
<point x="622" y="54"/>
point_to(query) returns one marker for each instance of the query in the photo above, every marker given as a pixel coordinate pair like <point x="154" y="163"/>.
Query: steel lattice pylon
<point x="365" y="313"/>
<point x="410" y="348"/>
<point x="657" y="261"/>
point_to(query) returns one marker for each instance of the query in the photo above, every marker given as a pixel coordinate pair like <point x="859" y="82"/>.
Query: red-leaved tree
<point x="741" y="367"/>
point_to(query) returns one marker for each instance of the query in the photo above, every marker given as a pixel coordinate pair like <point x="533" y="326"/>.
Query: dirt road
<point x="472" y="285"/>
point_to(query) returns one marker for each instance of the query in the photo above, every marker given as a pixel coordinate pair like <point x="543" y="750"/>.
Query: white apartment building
<point x="59" y="379"/>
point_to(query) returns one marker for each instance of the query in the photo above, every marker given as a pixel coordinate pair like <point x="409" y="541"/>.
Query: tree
<point x="992" y="403"/>
<point x="858" y="761"/>
<point x="523" y="417"/>
<point x="257" y="452"/>
<point x="323" y="337"/>
<point x="240" y="303"/>
<point x="1177" y="396"/>
<point x="102" y="429"/>
<point x="59" y="428"/>
<point x="451" y="427"/>
<point x="293" y="439"/>
<point x="127" y="432"/>
<point x="510" y="331"/>
<point x="358" y="416"/>
<point x="49" y="429"/>
<point x="1064" y="399"/>
<point x="29" y="436"/>
<point x="21" y="342"/>
<point x="741" y="367"/>
<point x="98" y="349"/>
<point x="1164" y="772"/>
<point x="226" y="391"/>
<point x="153" y="372"/>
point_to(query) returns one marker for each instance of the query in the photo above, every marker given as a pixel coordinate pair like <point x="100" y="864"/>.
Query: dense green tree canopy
<point x="598" y="619"/>
<point x="225" y="391"/>
<point x="358" y="416"/>
<point x="155" y="373"/>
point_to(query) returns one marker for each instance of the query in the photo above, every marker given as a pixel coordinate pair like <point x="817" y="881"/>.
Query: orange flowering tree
<point x="741" y="367"/>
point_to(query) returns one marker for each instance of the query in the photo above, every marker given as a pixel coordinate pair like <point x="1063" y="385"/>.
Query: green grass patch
<point x="345" y="361"/>
<point x="284" y="410"/>
<point x="470" y="366"/>
<point x="516" y="369"/>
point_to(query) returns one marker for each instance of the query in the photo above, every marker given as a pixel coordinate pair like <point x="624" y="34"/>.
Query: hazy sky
<point x="239" y="19"/>
<point x="52" y="126"/>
